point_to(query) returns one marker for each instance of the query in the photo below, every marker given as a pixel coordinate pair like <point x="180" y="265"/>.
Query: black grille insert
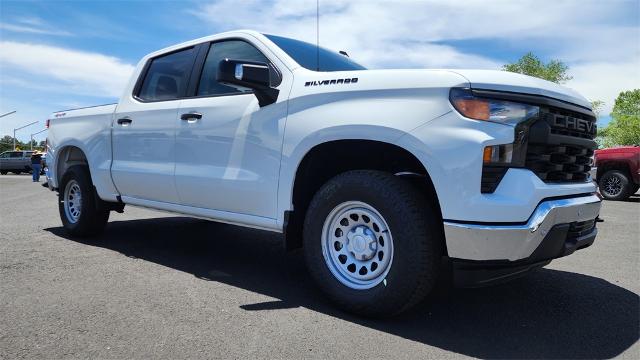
<point x="560" y="145"/>
<point x="559" y="163"/>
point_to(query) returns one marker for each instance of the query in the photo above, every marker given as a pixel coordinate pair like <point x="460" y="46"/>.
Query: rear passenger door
<point x="4" y="161"/>
<point x="144" y="129"/>
<point x="16" y="161"/>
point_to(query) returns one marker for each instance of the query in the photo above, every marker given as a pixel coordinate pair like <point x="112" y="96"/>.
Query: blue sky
<point x="62" y="54"/>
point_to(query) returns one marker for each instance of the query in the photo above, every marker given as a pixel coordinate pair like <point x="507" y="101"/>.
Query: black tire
<point x="417" y="242"/>
<point x="17" y="172"/>
<point x="4" y="172"/>
<point x="615" y="185"/>
<point x="93" y="215"/>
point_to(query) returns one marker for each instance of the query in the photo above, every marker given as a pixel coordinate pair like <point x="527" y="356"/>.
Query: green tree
<point x="6" y="144"/>
<point x="624" y="128"/>
<point x="596" y="106"/>
<point x="529" y="64"/>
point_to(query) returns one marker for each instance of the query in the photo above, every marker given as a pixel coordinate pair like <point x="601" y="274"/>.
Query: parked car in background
<point x="617" y="171"/>
<point x="16" y="162"/>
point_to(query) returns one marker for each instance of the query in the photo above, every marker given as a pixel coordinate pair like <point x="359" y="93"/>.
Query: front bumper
<point x="486" y="254"/>
<point x="513" y="242"/>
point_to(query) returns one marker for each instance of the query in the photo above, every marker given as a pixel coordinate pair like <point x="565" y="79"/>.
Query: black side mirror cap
<point x="249" y="74"/>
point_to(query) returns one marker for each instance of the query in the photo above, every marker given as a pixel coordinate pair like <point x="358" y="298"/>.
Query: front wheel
<point x="81" y="211"/>
<point x="615" y="185"/>
<point x="372" y="242"/>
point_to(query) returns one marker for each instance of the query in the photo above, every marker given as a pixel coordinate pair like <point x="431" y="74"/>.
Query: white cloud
<point x="605" y="80"/>
<point x="71" y="70"/>
<point x="32" y="25"/>
<point x="31" y="29"/>
<point x="373" y="34"/>
<point x="592" y="37"/>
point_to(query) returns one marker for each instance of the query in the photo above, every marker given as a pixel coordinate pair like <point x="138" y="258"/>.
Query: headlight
<point x="494" y="110"/>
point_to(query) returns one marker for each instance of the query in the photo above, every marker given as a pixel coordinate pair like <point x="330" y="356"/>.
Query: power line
<point x="9" y="113"/>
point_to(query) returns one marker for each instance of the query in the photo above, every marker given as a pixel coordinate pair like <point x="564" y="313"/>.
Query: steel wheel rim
<point x="72" y="201"/>
<point x="612" y="185"/>
<point x="357" y="245"/>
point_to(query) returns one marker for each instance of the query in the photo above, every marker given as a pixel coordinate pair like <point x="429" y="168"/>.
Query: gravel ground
<point x="157" y="285"/>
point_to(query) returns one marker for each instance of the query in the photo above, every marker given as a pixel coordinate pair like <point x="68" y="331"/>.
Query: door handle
<point x="124" y="121"/>
<point x="191" y="116"/>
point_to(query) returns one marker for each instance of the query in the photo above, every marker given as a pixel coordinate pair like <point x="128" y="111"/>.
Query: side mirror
<point x="250" y="75"/>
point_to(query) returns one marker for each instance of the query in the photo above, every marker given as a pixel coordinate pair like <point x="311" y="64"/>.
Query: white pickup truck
<point x="382" y="176"/>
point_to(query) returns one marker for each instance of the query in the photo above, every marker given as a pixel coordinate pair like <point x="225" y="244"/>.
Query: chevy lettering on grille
<point x="572" y="123"/>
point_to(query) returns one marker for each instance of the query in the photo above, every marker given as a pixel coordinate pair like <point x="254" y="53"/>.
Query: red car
<point x="617" y="171"/>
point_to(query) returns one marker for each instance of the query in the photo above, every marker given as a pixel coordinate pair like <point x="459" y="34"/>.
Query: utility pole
<point x="35" y="133"/>
<point x="14" y="133"/>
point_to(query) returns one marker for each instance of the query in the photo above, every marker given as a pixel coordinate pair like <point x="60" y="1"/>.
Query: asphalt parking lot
<point x="157" y="285"/>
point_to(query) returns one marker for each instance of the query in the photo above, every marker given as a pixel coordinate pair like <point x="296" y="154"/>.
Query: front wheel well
<point x="612" y="165"/>
<point x="326" y="160"/>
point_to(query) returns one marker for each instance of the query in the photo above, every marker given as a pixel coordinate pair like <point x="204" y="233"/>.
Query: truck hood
<point x="513" y="82"/>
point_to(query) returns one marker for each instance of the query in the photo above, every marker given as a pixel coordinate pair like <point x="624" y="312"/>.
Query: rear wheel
<point x="81" y="211"/>
<point x="372" y="243"/>
<point x="17" y="172"/>
<point x="615" y="185"/>
<point x="4" y="172"/>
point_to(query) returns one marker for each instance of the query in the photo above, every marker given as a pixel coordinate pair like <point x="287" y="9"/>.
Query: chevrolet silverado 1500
<point x="381" y="176"/>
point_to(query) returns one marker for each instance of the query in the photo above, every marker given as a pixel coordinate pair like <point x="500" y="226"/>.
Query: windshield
<point x="307" y="55"/>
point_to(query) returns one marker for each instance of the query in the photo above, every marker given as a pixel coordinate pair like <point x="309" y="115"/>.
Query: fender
<point x="99" y="171"/>
<point x="293" y="154"/>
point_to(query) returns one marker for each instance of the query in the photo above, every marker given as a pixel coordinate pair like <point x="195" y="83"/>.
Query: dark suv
<point x="15" y="161"/>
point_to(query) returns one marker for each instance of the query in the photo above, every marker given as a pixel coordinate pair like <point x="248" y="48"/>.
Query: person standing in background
<point x="36" y="165"/>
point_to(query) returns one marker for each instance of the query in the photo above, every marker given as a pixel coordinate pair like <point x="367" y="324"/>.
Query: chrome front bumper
<point x="515" y="242"/>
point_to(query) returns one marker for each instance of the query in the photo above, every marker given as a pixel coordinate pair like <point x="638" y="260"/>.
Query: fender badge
<point x="331" y="82"/>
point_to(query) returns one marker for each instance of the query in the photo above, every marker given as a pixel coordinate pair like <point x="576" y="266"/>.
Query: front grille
<point x="561" y="145"/>
<point x="559" y="163"/>
<point x="557" y="144"/>
<point x="558" y="119"/>
<point x="580" y="228"/>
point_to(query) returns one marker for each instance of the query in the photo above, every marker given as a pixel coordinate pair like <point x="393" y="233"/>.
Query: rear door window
<point x="167" y="76"/>
<point x="16" y="154"/>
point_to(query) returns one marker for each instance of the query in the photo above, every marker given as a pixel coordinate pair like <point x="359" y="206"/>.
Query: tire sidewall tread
<point x="417" y="237"/>
<point x="626" y="185"/>
<point x="93" y="216"/>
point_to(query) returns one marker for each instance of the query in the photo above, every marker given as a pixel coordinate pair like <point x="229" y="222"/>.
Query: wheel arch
<point x="326" y="159"/>
<point x="607" y="165"/>
<point x="67" y="156"/>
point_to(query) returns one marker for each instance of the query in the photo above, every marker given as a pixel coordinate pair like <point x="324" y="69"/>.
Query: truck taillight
<point x="46" y="124"/>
